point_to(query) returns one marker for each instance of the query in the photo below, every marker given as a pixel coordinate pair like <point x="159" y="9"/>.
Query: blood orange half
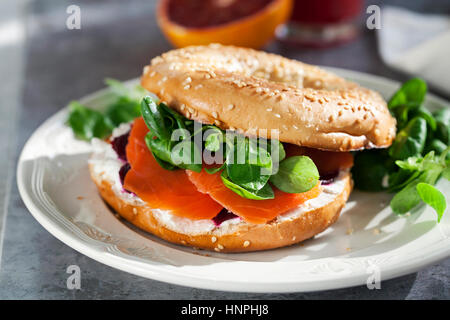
<point x="249" y="23"/>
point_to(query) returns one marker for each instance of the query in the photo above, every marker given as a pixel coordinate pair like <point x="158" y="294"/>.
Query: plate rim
<point x="157" y="273"/>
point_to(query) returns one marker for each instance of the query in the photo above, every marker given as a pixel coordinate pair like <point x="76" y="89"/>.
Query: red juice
<point x="322" y="23"/>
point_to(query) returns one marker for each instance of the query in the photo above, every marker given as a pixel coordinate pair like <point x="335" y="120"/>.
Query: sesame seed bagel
<point x="235" y="235"/>
<point x="248" y="90"/>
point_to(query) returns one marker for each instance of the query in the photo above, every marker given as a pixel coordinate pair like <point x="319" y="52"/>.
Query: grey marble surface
<point x="117" y="38"/>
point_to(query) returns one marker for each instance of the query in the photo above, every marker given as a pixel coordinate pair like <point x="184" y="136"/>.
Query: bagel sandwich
<point x="271" y="165"/>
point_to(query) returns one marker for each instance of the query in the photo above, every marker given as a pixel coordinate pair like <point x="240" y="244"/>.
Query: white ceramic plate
<point x="54" y="182"/>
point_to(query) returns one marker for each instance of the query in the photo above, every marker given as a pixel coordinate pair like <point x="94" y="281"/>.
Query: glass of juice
<point x="322" y="23"/>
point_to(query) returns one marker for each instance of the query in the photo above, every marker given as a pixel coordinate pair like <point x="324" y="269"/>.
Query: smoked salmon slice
<point x="161" y="188"/>
<point x="252" y="211"/>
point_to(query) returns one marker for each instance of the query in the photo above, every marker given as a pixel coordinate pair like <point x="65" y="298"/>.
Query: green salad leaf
<point x="87" y="123"/>
<point x="296" y="174"/>
<point x="433" y="197"/>
<point x="418" y="157"/>
<point x="411" y="93"/>
<point x="133" y="93"/>
<point x="408" y="197"/>
<point x="264" y="193"/>
<point x="122" y="111"/>
<point x="442" y="117"/>
<point x="410" y="141"/>
<point x="370" y="169"/>
<point x="162" y="123"/>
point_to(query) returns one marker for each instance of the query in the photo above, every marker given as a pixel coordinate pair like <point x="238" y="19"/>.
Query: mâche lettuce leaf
<point x="249" y="178"/>
<point x="418" y="157"/>
<point x="87" y="123"/>
<point x="247" y="163"/>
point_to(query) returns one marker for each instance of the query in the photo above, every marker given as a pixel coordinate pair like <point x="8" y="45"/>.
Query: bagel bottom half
<point x="241" y="236"/>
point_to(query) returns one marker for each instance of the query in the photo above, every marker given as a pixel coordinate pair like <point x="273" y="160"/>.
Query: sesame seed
<point x="186" y="87"/>
<point x="277" y="115"/>
<point x="217" y="122"/>
<point x="164" y="79"/>
<point x="207" y="76"/>
<point x="216" y="249"/>
<point x="293" y="238"/>
<point x="188" y="80"/>
<point x="214" y="114"/>
<point x="295" y="127"/>
<point x="246" y="243"/>
<point x="269" y="109"/>
<point x="259" y="90"/>
<point x="220" y="246"/>
<point x="152" y="74"/>
<point x="230" y="107"/>
<point x="213" y="239"/>
<point x="183" y="242"/>
<point x="198" y="86"/>
<point x="182" y="107"/>
<point x="135" y="211"/>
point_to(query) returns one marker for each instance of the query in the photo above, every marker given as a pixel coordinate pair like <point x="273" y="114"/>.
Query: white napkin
<point x="417" y="44"/>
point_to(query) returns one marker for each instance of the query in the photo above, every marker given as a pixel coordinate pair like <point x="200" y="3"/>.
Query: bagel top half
<point x="246" y="90"/>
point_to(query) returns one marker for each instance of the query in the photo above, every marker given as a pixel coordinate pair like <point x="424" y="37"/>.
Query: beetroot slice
<point x="329" y="177"/>
<point x="119" y="144"/>
<point x="222" y="216"/>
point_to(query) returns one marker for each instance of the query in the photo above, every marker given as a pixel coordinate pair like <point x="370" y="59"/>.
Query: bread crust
<point x="247" y="237"/>
<point x="247" y="90"/>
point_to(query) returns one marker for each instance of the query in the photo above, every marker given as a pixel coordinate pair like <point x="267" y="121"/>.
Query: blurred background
<point x="55" y="51"/>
